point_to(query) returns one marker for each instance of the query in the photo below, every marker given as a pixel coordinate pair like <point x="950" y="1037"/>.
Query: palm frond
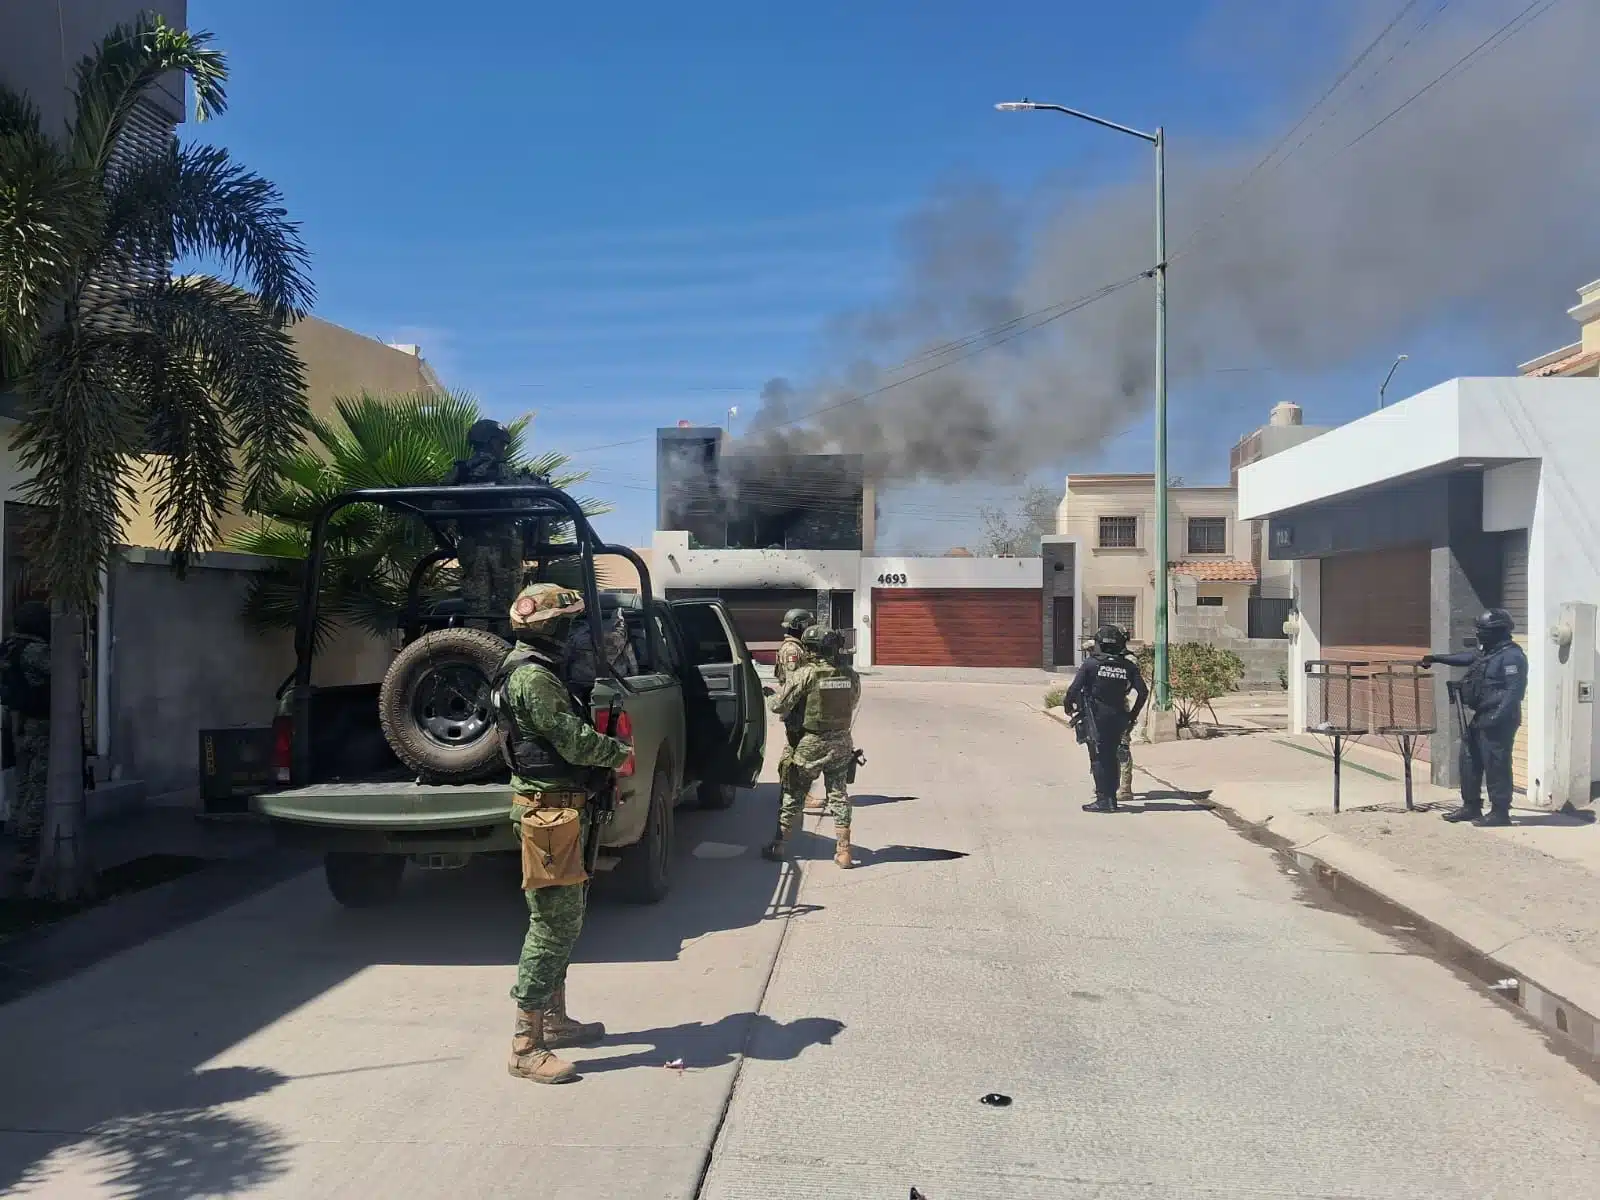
<point x="128" y="62"/>
<point x="246" y="363"/>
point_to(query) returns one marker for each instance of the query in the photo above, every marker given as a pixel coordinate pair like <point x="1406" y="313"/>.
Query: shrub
<point x="1055" y="697"/>
<point x="1197" y="674"/>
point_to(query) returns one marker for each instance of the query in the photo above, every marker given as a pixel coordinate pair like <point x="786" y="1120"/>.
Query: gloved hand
<point x="1427" y="660"/>
<point x="766" y="691"/>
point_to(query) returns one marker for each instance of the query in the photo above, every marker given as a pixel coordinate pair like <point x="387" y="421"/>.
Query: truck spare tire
<point x="434" y="705"/>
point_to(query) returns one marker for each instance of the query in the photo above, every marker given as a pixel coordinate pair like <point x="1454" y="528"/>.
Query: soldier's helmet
<point x="796" y="620"/>
<point x="1110" y="639"/>
<point x="1494" y="626"/>
<point x="487" y="435"/>
<point x="545" y="609"/>
<point x="824" y="643"/>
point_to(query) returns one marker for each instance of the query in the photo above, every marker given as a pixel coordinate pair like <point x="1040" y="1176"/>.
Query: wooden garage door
<point x="957" y="627"/>
<point x="1514" y="599"/>
<point x="1375" y="609"/>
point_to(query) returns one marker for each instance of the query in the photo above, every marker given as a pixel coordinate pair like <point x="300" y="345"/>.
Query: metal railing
<point x="1350" y="699"/>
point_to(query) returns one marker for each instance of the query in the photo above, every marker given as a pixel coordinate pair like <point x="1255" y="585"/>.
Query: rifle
<point x="602" y="791"/>
<point x="858" y="759"/>
<point x="1082" y="722"/>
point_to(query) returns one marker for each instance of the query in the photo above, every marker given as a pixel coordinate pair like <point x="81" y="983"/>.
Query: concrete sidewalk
<point x="1519" y="902"/>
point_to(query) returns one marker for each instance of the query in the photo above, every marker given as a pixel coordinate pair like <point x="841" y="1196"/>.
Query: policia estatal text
<point x="1497" y="676"/>
<point x="1098" y="703"/>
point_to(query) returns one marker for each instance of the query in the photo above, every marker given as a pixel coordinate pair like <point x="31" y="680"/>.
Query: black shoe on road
<point x="1463" y="814"/>
<point x="1101" y="805"/>
<point x="1494" y="820"/>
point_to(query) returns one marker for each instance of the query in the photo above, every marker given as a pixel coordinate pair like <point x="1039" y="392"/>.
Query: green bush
<point x="1055" y="697"/>
<point x="1197" y="674"/>
<point x="1283" y="678"/>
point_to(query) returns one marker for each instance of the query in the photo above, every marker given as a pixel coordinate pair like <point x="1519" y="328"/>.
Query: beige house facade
<point x="1580" y="359"/>
<point x="1113" y="519"/>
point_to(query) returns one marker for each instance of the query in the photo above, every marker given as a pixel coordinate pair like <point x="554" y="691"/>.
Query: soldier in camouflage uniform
<point x="791" y="655"/>
<point x="553" y="751"/>
<point x="581" y="668"/>
<point x="488" y="552"/>
<point x="25" y="679"/>
<point x="825" y="692"/>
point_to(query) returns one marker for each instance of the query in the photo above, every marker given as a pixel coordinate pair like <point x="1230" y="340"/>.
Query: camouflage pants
<point x="555" y="918"/>
<point x="29" y="792"/>
<point x="1125" y="765"/>
<point x="825" y="754"/>
<point x="792" y="735"/>
<point x="491" y="575"/>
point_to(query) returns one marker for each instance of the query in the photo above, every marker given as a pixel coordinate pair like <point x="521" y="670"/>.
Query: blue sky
<point x="631" y="214"/>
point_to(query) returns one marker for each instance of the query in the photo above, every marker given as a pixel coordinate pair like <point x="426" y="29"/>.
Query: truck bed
<point x="399" y="804"/>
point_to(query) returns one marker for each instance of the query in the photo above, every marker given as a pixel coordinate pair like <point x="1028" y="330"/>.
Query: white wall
<point x="1022" y="573"/>
<point x="1306" y="644"/>
<point x="674" y="565"/>
<point x="1549" y="428"/>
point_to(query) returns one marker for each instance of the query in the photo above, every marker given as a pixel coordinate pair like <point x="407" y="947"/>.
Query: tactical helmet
<point x="820" y="641"/>
<point x="485" y="434"/>
<point x="1494" y="627"/>
<point x="1110" y="639"/>
<point x="544" y="609"/>
<point x="796" y="620"/>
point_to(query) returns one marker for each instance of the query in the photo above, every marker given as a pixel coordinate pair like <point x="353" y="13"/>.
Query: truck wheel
<point x="363" y="880"/>
<point x="645" y="872"/>
<point x="717" y="796"/>
<point x="434" y="705"/>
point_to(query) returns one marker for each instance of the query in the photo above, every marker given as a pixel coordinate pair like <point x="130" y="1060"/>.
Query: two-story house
<point x="1113" y="519"/>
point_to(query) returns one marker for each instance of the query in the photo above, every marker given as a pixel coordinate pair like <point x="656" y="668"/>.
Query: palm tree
<point x="126" y="372"/>
<point x="377" y="441"/>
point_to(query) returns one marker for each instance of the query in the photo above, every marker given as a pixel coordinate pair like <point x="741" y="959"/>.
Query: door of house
<point x="1064" y="635"/>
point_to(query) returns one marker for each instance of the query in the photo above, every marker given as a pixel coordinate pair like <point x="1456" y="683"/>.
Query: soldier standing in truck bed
<point x="488" y="550"/>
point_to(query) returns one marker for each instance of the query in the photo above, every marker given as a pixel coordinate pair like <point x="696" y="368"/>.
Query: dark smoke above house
<point x="1397" y="209"/>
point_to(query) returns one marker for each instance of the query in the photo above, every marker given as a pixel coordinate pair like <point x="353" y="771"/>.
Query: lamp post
<point x="1384" y="387"/>
<point x="1157" y="139"/>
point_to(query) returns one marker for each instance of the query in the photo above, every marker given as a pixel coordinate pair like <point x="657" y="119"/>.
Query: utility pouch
<point x="552" y="848"/>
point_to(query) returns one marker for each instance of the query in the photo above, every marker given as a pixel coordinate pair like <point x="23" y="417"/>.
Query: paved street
<point x="1172" y="1015"/>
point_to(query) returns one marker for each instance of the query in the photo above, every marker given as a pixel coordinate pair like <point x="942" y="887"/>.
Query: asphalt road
<point x="1170" y="1014"/>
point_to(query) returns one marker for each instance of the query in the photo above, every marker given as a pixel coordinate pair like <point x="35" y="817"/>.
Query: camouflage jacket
<point x="581" y="666"/>
<point x="485" y="468"/>
<point x="32" y="657"/>
<point x="542" y="707"/>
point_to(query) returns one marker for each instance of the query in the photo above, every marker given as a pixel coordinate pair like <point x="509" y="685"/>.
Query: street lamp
<point x="1158" y="139"/>
<point x="1384" y="387"/>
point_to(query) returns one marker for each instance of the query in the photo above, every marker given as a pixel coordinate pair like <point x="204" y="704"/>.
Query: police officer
<point x="488" y="552"/>
<point x="824" y="691"/>
<point x="1099" y="698"/>
<point x="555" y="756"/>
<point x="1497" y="676"/>
<point x="25" y="692"/>
<point x="791" y="654"/>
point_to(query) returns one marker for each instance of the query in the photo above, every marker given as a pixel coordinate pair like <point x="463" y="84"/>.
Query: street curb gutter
<point x="1558" y="992"/>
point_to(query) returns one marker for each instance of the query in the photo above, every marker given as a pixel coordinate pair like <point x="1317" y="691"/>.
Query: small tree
<point x="1018" y="531"/>
<point x="1197" y="673"/>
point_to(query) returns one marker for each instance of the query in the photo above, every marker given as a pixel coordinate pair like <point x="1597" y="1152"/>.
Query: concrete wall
<point x="1501" y="426"/>
<point x="41" y="42"/>
<point x="182" y="660"/>
<point x="1061" y="571"/>
<point x="338" y="362"/>
<point x="1221" y="625"/>
<point x="674" y="565"/>
<point x="1112" y="571"/>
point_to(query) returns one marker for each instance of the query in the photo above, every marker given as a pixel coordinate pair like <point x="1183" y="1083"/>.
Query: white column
<point x="1305" y="644"/>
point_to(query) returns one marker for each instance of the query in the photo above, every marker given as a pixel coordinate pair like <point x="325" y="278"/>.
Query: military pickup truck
<point x="408" y="769"/>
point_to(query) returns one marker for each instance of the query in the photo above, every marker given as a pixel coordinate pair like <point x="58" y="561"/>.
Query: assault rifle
<point x="602" y="790"/>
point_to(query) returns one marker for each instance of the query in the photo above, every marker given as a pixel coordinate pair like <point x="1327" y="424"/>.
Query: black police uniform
<point x="1493" y="687"/>
<point x="1100" y="692"/>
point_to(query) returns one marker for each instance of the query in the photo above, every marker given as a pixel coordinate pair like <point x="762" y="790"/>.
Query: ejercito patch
<point x="834" y="683"/>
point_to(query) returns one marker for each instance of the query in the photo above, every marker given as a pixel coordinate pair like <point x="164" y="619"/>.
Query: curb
<point x="1558" y="992"/>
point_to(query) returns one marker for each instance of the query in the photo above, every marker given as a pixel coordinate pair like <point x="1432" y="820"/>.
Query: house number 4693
<point x="892" y="580"/>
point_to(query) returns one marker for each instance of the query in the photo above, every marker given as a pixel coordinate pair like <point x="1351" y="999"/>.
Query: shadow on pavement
<point x="119" y="1074"/>
<point x="873" y="801"/>
<point x="1163" y="801"/>
<point x="698" y="1046"/>
<point x="905" y="854"/>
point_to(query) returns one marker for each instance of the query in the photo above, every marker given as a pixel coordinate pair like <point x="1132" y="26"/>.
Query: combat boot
<point x="1494" y="819"/>
<point x="1102" y="804"/>
<point x="777" y="849"/>
<point x="1464" y="813"/>
<point x="530" y="1055"/>
<point x="841" y="848"/>
<point x="561" y="1030"/>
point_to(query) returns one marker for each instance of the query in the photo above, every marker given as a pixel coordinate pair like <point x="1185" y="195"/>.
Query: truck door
<point x="723" y="708"/>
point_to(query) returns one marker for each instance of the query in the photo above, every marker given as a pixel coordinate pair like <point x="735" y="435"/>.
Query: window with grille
<point x="1118" y="611"/>
<point x="1208" y="601"/>
<point x="1119" y="533"/>
<point x="1208" y="535"/>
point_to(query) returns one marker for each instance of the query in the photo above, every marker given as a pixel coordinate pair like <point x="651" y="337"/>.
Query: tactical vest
<point x="1112" y="682"/>
<point x="830" y="701"/>
<point x="531" y="756"/>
